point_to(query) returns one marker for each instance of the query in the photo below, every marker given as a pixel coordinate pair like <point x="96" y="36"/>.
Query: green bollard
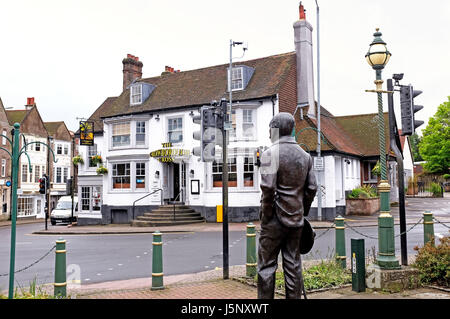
<point x="157" y="262"/>
<point x="341" y="258"/>
<point x="60" y="284"/>
<point x="358" y="265"/>
<point x="251" y="251"/>
<point x="428" y="227"/>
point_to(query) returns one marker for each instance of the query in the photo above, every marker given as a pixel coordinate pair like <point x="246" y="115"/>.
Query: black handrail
<point x="159" y="189"/>
<point x="174" y="204"/>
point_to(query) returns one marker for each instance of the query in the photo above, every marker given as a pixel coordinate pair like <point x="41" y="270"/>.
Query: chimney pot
<point x="302" y="11"/>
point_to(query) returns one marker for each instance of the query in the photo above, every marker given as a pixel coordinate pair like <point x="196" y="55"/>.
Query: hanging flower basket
<point x="96" y="159"/>
<point x="102" y="170"/>
<point x="77" y="160"/>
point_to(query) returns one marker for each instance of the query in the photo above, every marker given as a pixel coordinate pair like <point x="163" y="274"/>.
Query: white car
<point x="63" y="210"/>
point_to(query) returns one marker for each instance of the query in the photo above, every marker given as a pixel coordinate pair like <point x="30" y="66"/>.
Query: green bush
<point x="365" y="191"/>
<point x="436" y="189"/>
<point x="446" y="176"/>
<point x="433" y="263"/>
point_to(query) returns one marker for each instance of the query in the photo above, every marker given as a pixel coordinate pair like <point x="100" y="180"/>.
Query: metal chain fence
<point x="352" y="228"/>
<point x="441" y="222"/>
<point x="330" y="227"/>
<point x="34" y="263"/>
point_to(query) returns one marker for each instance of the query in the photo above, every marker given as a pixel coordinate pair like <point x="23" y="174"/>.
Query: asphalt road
<point x="100" y="258"/>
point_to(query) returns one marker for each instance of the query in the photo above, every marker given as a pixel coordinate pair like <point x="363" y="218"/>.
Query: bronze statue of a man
<point x="288" y="186"/>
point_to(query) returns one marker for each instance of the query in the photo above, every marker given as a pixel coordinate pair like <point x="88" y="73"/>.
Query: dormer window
<point x="236" y="79"/>
<point x="136" y="94"/>
<point x="240" y="77"/>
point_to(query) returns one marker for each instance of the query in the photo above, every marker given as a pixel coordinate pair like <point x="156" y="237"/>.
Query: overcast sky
<point x="68" y="54"/>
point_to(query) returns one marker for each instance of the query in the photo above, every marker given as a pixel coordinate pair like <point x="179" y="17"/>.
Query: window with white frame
<point x="237" y="82"/>
<point x="249" y="172"/>
<point x="59" y="149"/>
<point x="175" y="130"/>
<point x="121" y="176"/>
<point x="58" y="175"/>
<point x="121" y="134"/>
<point x="3" y="167"/>
<point x="65" y="174"/>
<point x="24" y="173"/>
<point x="140" y="175"/>
<point x="136" y="94"/>
<point x="24" y="206"/>
<point x="140" y="133"/>
<point x="66" y="149"/>
<point x="37" y="172"/>
<point x="91" y="198"/>
<point x="248" y="123"/>
<point x="37" y="147"/>
<point x="92" y="150"/>
<point x="4" y="137"/>
<point x="217" y="172"/>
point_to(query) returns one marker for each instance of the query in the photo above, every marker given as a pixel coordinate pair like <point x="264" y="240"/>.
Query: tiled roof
<point x="52" y="127"/>
<point x="201" y="86"/>
<point x="363" y="129"/>
<point x="16" y="116"/>
<point x="354" y="134"/>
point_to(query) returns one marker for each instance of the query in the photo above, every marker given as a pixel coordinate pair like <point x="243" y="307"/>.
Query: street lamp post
<point x="377" y="57"/>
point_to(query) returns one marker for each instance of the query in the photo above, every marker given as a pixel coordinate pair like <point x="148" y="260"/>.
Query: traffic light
<point x="209" y="135"/>
<point x="258" y="157"/>
<point x="42" y="185"/>
<point x="408" y="108"/>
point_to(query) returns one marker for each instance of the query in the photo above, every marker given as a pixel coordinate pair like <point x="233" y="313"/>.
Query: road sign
<point x="318" y="163"/>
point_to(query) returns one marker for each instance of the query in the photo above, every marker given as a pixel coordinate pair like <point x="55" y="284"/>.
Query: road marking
<point x="212" y="261"/>
<point x="206" y="266"/>
<point x="99" y="274"/>
<point x="110" y="268"/>
<point x="87" y="279"/>
<point x="145" y="253"/>
<point x="119" y="264"/>
<point x="138" y="256"/>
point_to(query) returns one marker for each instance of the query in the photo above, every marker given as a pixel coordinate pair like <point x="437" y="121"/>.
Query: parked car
<point x="63" y="210"/>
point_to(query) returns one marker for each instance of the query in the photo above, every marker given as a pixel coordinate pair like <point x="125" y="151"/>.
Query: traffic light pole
<point x="395" y="141"/>
<point x="225" y="192"/>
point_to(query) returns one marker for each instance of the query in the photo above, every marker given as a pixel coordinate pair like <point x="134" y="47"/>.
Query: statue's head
<point x="281" y="124"/>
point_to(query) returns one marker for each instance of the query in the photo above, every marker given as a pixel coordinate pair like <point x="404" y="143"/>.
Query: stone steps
<point x="164" y="216"/>
<point x="144" y="223"/>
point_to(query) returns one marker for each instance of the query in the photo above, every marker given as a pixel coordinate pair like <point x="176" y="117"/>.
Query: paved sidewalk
<point x="210" y="285"/>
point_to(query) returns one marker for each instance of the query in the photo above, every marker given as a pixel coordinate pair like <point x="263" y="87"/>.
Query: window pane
<point x="121" y="176"/>
<point x="140" y="175"/>
<point x="140" y="133"/>
<point x="249" y="170"/>
<point x="175" y="130"/>
<point x="85" y="195"/>
<point x="24" y="173"/>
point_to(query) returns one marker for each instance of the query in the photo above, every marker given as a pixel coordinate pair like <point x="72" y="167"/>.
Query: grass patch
<point x="326" y="274"/>
<point x="33" y="292"/>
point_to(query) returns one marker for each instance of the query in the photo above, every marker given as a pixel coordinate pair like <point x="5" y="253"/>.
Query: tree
<point x="415" y="142"/>
<point x="435" y="144"/>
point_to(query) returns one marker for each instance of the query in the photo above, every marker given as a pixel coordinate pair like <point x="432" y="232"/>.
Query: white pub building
<point x="145" y="139"/>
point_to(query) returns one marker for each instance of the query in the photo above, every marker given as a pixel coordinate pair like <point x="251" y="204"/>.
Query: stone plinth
<point x="391" y="280"/>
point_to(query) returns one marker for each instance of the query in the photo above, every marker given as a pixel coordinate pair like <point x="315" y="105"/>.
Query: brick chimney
<point x="30" y="103"/>
<point x="132" y="69"/>
<point x="305" y="71"/>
